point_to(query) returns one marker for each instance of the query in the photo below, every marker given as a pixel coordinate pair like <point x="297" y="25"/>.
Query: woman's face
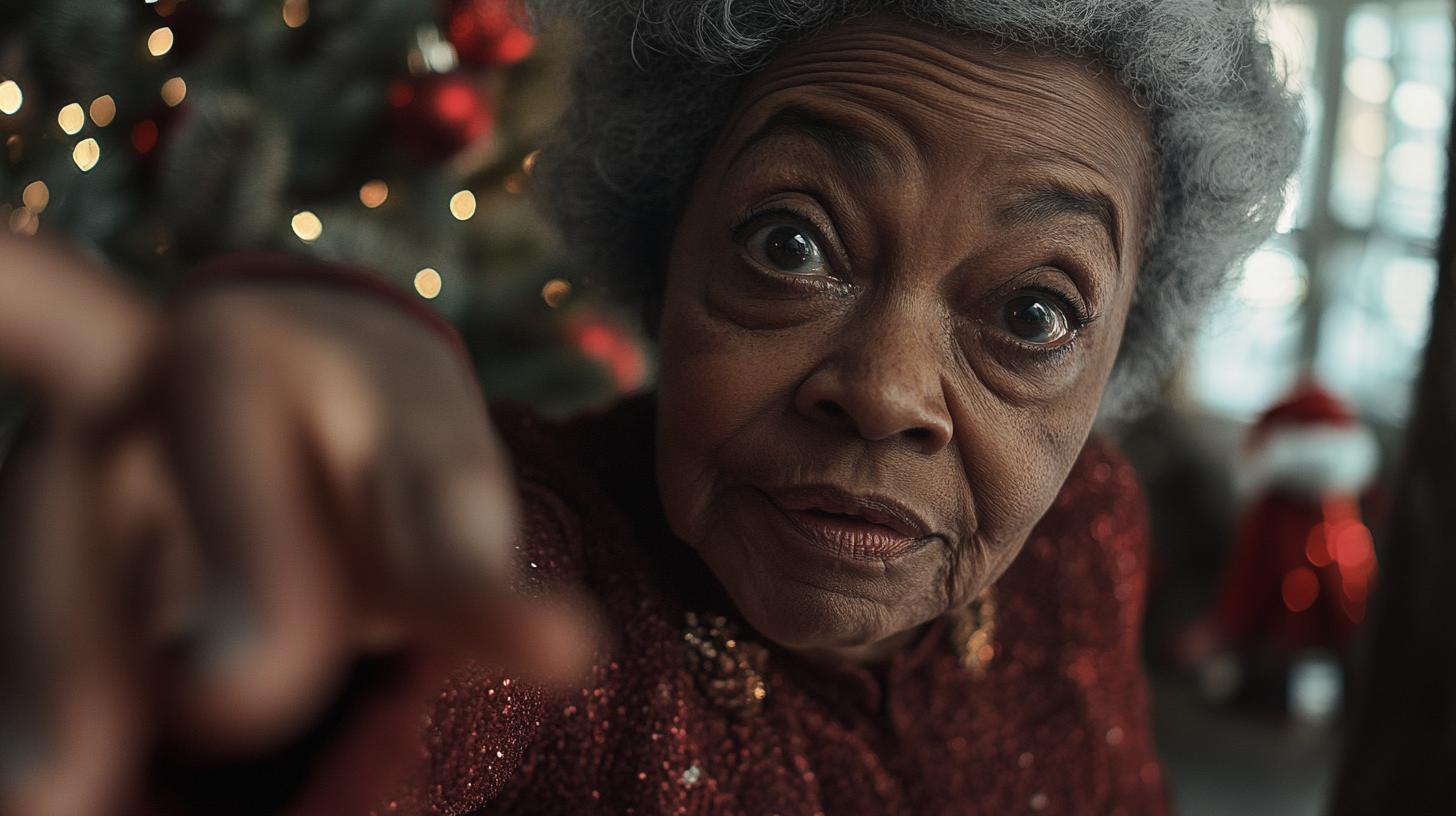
<point x="892" y="304"/>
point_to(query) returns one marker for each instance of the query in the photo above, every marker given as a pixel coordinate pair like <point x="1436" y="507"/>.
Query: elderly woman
<point x="856" y="555"/>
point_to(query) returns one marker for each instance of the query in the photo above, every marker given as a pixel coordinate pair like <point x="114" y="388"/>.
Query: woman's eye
<point x="1037" y="320"/>
<point x="786" y="248"/>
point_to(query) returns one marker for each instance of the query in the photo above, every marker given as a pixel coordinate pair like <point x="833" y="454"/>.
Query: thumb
<point x="68" y="330"/>
<point x="469" y="590"/>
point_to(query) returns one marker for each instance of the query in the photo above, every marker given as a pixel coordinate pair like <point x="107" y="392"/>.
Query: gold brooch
<point x="729" y="671"/>
<point x="973" y="632"/>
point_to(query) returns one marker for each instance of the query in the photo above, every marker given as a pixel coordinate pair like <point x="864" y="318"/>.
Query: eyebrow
<point x="860" y="155"/>
<point x="1052" y="202"/>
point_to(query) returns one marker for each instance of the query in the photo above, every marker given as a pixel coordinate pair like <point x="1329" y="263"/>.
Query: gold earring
<point x="973" y="632"/>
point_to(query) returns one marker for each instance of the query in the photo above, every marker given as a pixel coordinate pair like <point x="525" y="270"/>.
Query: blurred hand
<point x="217" y="509"/>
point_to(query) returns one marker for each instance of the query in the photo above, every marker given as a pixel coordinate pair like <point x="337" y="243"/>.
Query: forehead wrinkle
<point x="862" y="155"/>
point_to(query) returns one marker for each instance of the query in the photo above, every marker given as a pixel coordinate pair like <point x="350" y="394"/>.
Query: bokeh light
<point x="374" y="193"/>
<point x="160" y="42"/>
<point x="1419" y="105"/>
<point x="103" y="110"/>
<point x="36" y="196"/>
<point x="555" y="292"/>
<point x="174" y="91"/>
<point x="71" y="119"/>
<point x="1272" y="280"/>
<point x="462" y="205"/>
<point x="1300" y="588"/>
<point x="1417" y="165"/>
<point x="1370" y="80"/>
<point x="144" y="136"/>
<point x="295" y="12"/>
<point x="529" y="163"/>
<point x="428" y="283"/>
<point x="86" y="154"/>
<point x="307" y="226"/>
<point x="1367" y="133"/>
<point x="24" y="222"/>
<point x="11" y="97"/>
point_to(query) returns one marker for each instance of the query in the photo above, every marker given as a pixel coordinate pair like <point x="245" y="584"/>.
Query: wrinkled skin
<point x="888" y="321"/>
<point x="897" y="291"/>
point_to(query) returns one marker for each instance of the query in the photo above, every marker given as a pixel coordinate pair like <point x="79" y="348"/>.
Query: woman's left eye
<point x="1037" y="320"/>
<point x="786" y="248"/>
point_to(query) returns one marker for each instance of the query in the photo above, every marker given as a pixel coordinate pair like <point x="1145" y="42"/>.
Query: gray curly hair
<point x="655" y="79"/>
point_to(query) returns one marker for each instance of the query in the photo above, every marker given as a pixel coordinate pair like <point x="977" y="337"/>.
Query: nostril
<point x="918" y="433"/>
<point x="830" y="408"/>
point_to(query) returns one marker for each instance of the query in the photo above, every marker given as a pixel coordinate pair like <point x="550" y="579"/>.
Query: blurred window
<point x="1344" y="289"/>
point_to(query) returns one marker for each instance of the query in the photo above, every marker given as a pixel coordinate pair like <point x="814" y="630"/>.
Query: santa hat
<point x="1310" y="443"/>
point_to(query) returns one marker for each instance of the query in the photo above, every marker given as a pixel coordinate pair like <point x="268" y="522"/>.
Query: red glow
<point x="400" y="94"/>
<point x="1300" y="589"/>
<point x="1317" y="549"/>
<point x="608" y="344"/>
<point x="485" y="32"/>
<point x="455" y="103"/>
<point x="144" y="136"/>
<point x="1352" y="544"/>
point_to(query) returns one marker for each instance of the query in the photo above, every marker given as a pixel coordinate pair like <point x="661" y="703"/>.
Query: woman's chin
<point x="828" y="628"/>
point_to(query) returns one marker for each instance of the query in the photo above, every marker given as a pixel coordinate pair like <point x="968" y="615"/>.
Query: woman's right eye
<point x="786" y="248"/>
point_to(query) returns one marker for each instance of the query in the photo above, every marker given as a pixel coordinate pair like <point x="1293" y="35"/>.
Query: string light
<point x="174" y="91"/>
<point x="307" y="226"/>
<point x="11" y="97"/>
<point x="555" y="292"/>
<point x="103" y="110"/>
<point x="86" y="154"/>
<point x="295" y="12"/>
<point x="428" y="283"/>
<point x="462" y="205"/>
<point x="36" y="196"/>
<point x="374" y="193"/>
<point x="71" y="119"/>
<point x="160" y="42"/>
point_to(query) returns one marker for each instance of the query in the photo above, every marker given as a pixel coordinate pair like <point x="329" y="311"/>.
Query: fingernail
<point x="228" y="627"/>
<point x="23" y="747"/>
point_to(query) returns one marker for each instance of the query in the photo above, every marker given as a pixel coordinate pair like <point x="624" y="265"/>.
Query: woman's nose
<point x="883" y="385"/>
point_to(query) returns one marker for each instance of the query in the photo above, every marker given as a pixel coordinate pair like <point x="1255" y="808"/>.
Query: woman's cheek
<point x="715" y="380"/>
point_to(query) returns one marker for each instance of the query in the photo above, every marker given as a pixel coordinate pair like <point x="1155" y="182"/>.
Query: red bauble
<point x="488" y="32"/>
<point x="603" y="340"/>
<point x="438" y="115"/>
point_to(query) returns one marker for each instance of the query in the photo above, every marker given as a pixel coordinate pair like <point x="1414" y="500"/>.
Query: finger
<point x="430" y="520"/>
<point x="273" y="645"/>
<point x="73" y="713"/>
<point x="458" y="516"/>
<point x="68" y="330"/>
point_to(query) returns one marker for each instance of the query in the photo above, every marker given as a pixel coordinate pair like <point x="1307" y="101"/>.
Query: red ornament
<point x="438" y="115"/>
<point x="606" y="342"/>
<point x="489" y="33"/>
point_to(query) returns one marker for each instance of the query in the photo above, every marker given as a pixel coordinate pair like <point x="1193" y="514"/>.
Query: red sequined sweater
<point x="1058" y="725"/>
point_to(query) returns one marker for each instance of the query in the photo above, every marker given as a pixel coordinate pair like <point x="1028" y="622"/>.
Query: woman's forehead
<point x="890" y="99"/>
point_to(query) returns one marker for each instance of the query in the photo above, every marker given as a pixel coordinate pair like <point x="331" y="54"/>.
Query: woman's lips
<point x="850" y="525"/>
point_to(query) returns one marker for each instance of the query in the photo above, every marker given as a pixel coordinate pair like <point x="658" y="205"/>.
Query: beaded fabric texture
<point x="1058" y="724"/>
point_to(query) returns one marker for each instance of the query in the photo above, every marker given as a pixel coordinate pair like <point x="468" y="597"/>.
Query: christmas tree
<point x="396" y="135"/>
